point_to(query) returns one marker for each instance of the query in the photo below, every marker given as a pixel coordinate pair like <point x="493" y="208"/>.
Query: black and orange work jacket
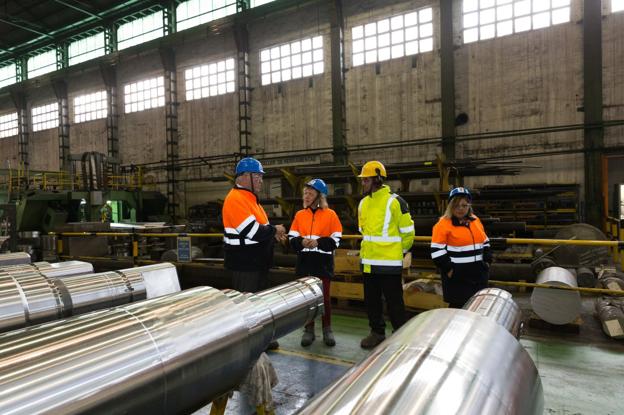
<point x="463" y="248"/>
<point x="248" y="237"/>
<point x="323" y="225"/>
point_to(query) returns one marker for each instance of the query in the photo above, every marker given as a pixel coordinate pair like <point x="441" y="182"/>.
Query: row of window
<point x="378" y="41"/>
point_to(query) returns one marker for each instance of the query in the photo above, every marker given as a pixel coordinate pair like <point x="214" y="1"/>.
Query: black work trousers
<point x="250" y="281"/>
<point x="390" y="287"/>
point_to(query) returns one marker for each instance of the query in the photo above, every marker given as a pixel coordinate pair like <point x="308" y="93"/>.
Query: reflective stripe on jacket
<point x="322" y="225"/>
<point x="248" y="237"/>
<point x="465" y="249"/>
<point x="387" y="232"/>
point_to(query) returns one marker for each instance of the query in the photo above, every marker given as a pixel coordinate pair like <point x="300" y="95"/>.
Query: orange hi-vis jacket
<point x="248" y="236"/>
<point x="464" y="249"/>
<point x="322" y="225"/>
<point x="454" y="245"/>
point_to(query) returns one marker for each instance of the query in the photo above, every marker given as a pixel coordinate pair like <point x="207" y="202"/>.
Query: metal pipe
<point x="556" y="306"/>
<point x="55" y="270"/>
<point x="444" y="361"/>
<point x="30" y="297"/>
<point x="14" y="258"/>
<point x="171" y="354"/>
<point x="509" y="241"/>
<point x="498" y="305"/>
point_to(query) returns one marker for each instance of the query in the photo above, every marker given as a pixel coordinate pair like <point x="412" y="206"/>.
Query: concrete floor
<point x="582" y="373"/>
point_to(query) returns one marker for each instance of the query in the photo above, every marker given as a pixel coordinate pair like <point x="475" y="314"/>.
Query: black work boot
<point x="328" y="337"/>
<point x="372" y="340"/>
<point x="308" y="336"/>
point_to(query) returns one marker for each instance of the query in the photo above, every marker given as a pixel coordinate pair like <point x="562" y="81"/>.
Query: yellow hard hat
<point x="373" y="169"/>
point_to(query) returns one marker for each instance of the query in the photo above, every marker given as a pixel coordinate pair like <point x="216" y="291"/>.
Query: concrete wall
<point x="528" y="80"/>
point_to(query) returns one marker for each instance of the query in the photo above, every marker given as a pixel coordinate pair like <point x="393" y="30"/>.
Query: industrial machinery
<point x="31" y="296"/>
<point x="171" y="354"/>
<point x="444" y="361"/>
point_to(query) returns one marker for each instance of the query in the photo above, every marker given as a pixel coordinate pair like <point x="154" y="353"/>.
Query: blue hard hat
<point x="460" y="191"/>
<point x="249" y="165"/>
<point x="318" y="185"/>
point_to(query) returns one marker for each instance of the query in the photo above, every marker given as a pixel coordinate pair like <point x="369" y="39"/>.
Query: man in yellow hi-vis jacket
<point x="387" y="235"/>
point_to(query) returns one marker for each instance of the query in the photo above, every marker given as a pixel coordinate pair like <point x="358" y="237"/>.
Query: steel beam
<point x="60" y="90"/>
<point x="592" y="89"/>
<point x="447" y="79"/>
<point x="336" y="50"/>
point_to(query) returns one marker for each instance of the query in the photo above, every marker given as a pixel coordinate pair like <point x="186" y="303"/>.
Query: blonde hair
<point x="448" y="213"/>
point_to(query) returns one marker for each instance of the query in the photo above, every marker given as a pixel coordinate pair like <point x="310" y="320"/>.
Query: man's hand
<point x="280" y="233"/>
<point x="450" y="274"/>
<point x="309" y="243"/>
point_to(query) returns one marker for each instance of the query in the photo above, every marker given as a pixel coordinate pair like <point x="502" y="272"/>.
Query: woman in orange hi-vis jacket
<point x="314" y="234"/>
<point x="461" y="250"/>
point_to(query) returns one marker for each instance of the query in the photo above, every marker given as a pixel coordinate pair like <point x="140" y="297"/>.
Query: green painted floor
<point x="581" y="375"/>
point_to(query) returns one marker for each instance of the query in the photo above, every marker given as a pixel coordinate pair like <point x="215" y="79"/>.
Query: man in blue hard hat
<point x="248" y="236"/>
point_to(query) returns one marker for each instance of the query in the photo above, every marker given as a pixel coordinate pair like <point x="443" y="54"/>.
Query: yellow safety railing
<point x="60" y="180"/>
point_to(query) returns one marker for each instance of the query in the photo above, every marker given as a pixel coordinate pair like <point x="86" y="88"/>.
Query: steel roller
<point x="171" y="354"/>
<point x="444" y="361"/>
<point x="552" y="305"/>
<point x="14" y="258"/>
<point x="30" y="296"/>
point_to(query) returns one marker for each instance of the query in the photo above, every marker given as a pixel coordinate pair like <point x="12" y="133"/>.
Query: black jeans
<point x="389" y="287"/>
<point x="250" y="282"/>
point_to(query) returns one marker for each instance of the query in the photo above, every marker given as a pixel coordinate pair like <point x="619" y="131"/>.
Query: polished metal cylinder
<point x="171" y="354"/>
<point x="14" y="258"/>
<point x="498" y="305"/>
<point x="444" y="361"/>
<point x="552" y="305"/>
<point x="54" y="270"/>
<point x="30" y="296"/>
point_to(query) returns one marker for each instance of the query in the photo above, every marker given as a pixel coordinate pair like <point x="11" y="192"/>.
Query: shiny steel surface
<point x="498" y="305"/>
<point x="444" y="361"/>
<point x="14" y="258"/>
<point x="30" y="296"/>
<point x="168" y="355"/>
<point x="556" y="306"/>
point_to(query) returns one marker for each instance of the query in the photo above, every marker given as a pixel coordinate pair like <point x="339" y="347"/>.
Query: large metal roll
<point x="54" y="270"/>
<point x="29" y="296"/>
<point x="14" y="258"/>
<point x="552" y="305"/>
<point x="444" y="361"/>
<point x="498" y="305"/>
<point x="171" y="354"/>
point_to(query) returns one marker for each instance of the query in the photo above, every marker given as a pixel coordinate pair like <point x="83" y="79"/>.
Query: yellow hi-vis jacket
<point x="387" y="232"/>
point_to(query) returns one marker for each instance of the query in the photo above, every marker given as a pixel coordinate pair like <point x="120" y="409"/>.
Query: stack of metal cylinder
<point x="171" y="354"/>
<point x="40" y="292"/>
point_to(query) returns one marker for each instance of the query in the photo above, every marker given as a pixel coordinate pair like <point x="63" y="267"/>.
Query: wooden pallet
<point x="537" y="323"/>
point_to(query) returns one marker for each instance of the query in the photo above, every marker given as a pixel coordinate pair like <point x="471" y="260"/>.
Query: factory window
<point x="143" y="95"/>
<point x="617" y="6"/>
<point x="87" y="48"/>
<point x="293" y="60"/>
<point x="395" y="37"/>
<point x="43" y="63"/>
<point x="8" y="125"/>
<point x="90" y="107"/>
<point x="210" y="80"/>
<point x="8" y="75"/>
<point x="255" y="3"/>
<point x="195" y="12"/>
<point x="140" y="30"/>
<point x="45" y="116"/>
<point x="487" y="19"/>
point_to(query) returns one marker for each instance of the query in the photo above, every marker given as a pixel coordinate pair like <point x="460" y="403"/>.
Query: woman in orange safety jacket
<point x="314" y="234"/>
<point x="461" y="250"/>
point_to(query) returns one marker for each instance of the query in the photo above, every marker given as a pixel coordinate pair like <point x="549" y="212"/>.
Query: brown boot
<point x="372" y="340"/>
